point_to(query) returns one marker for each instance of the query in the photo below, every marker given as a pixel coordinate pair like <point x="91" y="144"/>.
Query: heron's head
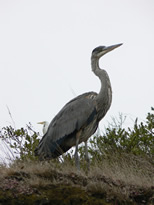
<point x="102" y="50"/>
<point x="45" y="126"/>
<point x="42" y="123"/>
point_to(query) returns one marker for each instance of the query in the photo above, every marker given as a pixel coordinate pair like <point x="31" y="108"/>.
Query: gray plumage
<point x="79" y="118"/>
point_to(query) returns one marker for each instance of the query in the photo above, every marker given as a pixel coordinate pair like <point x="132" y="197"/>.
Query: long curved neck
<point x="104" y="97"/>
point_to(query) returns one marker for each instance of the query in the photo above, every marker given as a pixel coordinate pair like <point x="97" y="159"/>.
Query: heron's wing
<point x="72" y="117"/>
<point x="76" y="114"/>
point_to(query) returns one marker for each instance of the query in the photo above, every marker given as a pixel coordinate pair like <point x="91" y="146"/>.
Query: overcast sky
<point x="45" y="50"/>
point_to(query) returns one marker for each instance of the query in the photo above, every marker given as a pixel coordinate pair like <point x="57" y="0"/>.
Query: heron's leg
<point x="76" y="153"/>
<point x="87" y="156"/>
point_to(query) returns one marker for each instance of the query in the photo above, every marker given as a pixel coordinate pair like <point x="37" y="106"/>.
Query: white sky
<point x="45" y="50"/>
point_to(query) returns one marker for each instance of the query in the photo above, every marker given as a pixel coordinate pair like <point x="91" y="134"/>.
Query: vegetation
<point x="121" y="169"/>
<point x="138" y="140"/>
<point x="21" y="143"/>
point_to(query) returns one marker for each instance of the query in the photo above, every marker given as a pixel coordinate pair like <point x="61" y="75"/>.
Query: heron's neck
<point x="102" y="74"/>
<point x="104" y="97"/>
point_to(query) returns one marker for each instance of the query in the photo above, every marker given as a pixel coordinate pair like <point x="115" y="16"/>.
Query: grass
<point x="116" y="179"/>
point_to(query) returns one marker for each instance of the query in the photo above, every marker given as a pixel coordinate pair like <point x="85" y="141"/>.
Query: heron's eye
<point x="98" y="49"/>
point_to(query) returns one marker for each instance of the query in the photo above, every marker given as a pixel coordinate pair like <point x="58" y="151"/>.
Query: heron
<point x="80" y="117"/>
<point x="45" y="126"/>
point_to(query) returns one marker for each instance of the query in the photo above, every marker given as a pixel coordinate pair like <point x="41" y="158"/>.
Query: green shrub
<point x="22" y="142"/>
<point x="137" y="140"/>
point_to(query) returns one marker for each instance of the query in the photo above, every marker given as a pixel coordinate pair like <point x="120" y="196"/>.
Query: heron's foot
<point x="87" y="164"/>
<point x="77" y="162"/>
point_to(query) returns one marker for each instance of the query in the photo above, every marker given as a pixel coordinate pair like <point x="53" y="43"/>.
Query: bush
<point x="21" y="142"/>
<point x="137" y="140"/>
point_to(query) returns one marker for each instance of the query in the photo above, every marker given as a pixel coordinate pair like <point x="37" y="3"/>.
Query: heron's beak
<point x="109" y="48"/>
<point x="42" y="123"/>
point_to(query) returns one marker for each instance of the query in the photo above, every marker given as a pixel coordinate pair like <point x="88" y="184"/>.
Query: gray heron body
<point x="80" y="117"/>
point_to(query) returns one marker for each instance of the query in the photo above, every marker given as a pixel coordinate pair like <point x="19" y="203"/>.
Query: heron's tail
<point x="49" y="149"/>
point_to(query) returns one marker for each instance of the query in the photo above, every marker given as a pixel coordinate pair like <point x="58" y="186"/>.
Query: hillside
<point x="118" y="179"/>
<point x="121" y="170"/>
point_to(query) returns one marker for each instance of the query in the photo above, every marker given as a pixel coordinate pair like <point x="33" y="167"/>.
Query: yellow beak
<point x="42" y="123"/>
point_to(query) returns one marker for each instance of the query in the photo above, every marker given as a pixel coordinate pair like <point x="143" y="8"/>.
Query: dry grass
<point x="124" y="178"/>
<point x="129" y="169"/>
